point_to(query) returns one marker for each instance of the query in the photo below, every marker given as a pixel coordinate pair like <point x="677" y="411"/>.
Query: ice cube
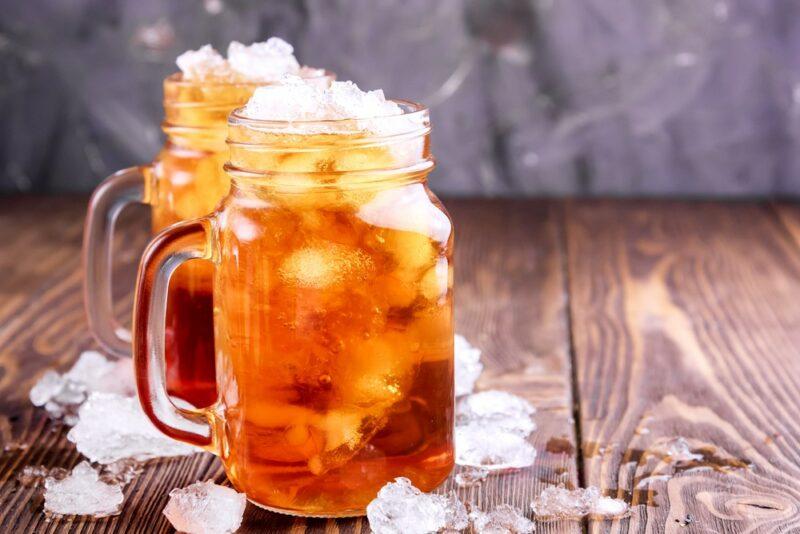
<point x="492" y="449"/>
<point x="82" y="493"/>
<point x="34" y="476"/>
<point x="408" y="209"/>
<point x="323" y="265"/>
<point x="263" y="62"/>
<point x="203" y="63"/>
<point x="504" y="519"/>
<point x="471" y="476"/>
<point x="497" y="410"/>
<point x="61" y="395"/>
<point x="205" y="508"/>
<point x="559" y="502"/>
<point x="401" y="508"/>
<point x="121" y="472"/>
<point x="468" y="366"/>
<point x="112" y="427"/>
<point x="678" y="450"/>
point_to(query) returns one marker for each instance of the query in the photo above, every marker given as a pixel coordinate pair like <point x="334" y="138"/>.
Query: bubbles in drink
<point x="82" y="493"/>
<point x="205" y="508"/>
<point x="400" y="508"/>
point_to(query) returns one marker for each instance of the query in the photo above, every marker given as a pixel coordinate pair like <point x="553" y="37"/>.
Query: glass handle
<point x="121" y="189"/>
<point x="166" y="252"/>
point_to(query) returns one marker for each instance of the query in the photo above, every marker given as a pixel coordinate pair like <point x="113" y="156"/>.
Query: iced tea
<point x="185" y="181"/>
<point x="333" y="316"/>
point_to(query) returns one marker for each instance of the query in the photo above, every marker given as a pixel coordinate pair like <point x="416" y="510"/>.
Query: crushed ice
<point x="497" y="410"/>
<point x="82" y="493"/>
<point x="400" y="508"/>
<point x="471" y="476"/>
<point x="679" y="450"/>
<point x="61" y="395"/>
<point x="560" y="502"/>
<point x="296" y="99"/>
<point x="112" y="427"/>
<point x="468" y="366"/>
<point x="478" y="446"/>
<point x="491" y="432"/>
<point x="504" y="519"/>
<point x="263" y="62"/>
<point x="205" y="508"/>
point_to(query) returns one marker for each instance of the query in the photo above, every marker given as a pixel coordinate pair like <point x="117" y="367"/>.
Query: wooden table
<point x="625" y="323"/>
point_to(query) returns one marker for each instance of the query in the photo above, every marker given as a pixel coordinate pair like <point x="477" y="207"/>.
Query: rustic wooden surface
<point x="662" y="319"/>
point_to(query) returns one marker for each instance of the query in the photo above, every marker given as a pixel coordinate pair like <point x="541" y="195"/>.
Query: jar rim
<point x="176" y="79"/>
<point x="418" y="113"/>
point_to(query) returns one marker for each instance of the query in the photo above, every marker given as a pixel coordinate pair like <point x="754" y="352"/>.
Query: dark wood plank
<point x="685" y="322"/>
<point x="510" y="302"/>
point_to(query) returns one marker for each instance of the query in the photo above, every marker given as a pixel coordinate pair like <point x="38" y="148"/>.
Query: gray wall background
<point x="529" y="97"/>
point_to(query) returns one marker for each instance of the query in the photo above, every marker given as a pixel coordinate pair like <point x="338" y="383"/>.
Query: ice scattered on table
<point x="478" y="446"/>
<point x="82" y="493"/>
<point x="400" y="508"/>
<point x="205" y="508"/>
<point x="61" y="395"/>
<point x="679" y="450"/>
<point x="559" y="502"/>
<point x="121" y="472"/>
<point x="297" y="99"/>
<point x="497" y="410"/>
<point x="504" y="519"/>
<point x="492" y="429"/>
<point x="468" y="366"/>
<point x="112" y="427"/>
<point x="33" y="476"/>
<point x="471" y="476"/>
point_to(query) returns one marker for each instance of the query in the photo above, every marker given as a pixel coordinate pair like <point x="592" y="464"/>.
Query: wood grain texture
<point x="510" y="302"/>
<point x="686" y="322"/>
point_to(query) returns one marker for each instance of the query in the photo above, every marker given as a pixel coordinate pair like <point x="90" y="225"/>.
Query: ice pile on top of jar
<point x="295" y="104"/>
<point x="263" y="62"/>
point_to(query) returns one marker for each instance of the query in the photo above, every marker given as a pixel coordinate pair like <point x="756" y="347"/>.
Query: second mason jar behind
<point x="333" y="310"/>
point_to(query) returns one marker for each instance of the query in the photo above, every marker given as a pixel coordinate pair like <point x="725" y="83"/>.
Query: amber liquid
<point x="189" y="183"/>
<point x="334" y="334"/>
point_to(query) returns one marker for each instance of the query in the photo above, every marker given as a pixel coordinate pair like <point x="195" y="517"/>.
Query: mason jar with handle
<point x="186" y="180"/>
<point x="333" y="314"/>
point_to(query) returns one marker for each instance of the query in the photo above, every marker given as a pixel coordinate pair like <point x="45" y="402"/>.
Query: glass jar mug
<point x="186" y="180"/>
<point x="333" y="315"/>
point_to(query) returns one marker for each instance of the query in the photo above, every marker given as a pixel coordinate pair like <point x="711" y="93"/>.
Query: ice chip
<point x="112" y="428"/>
<point x="203" y="63"/>
<point x="678" y="450"/>
<point x="497" y="410"/>
<point x="61" y="395"/>
<point x="400" y="508"/>
<point x="471" y="476"/>
<point x="468" y="366"/>
<point x="296" y="99"/>
<point x="324" y="265"/>
<point x="264" y="62"/>
<point x="558" y="502"/>
<point x="205" y="508"/>
<point x="504" y="519"/>
<point x="410" y="209"/>
<point x="492" y="449"/>
<point x="34" y="476"/>
<point x="82" y="493"/>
